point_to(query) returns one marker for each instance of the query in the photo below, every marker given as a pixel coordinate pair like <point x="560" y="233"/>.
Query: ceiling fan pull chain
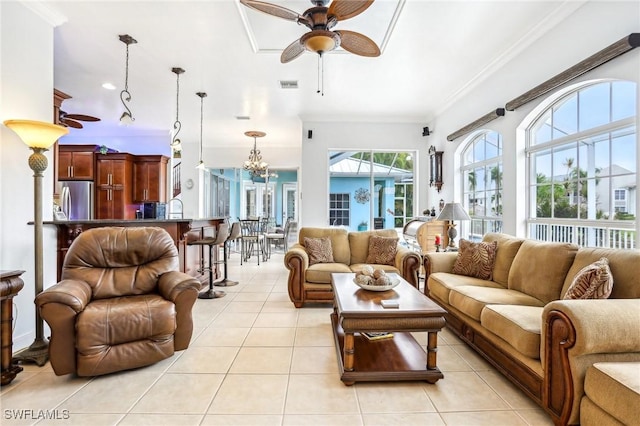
<point x="322" y="70"/>
<point x="320" y="74"/>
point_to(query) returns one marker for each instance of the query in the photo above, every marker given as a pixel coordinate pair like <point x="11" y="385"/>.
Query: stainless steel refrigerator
<point x="77" y="200"/>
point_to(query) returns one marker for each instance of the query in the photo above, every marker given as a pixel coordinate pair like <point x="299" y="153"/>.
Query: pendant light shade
<point x="202" y="95"/>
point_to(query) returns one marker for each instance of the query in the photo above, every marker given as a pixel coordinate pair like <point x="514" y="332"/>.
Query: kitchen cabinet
<point x="150" y="178"/>
<point x="76" y="162"/>
<point x="113" y="189"/>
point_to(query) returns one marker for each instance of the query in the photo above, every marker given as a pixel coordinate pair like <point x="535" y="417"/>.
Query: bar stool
<point x="220" y="238"/>
<point x="233" y="235"/>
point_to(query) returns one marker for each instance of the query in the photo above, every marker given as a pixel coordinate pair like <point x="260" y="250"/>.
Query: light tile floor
<point x="256" y="360"/>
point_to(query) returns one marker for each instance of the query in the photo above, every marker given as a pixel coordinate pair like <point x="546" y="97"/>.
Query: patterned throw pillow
<point x="319" y="250"/>
<point x="382" y="250"/>
<point x="592" y="282"/>
<point x="476" y="259"/>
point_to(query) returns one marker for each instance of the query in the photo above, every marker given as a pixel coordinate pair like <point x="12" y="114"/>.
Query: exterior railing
<point x="621" y="235"/>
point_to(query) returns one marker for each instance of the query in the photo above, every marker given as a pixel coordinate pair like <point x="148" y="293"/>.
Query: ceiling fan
<point x="72" y="120"/>
<point x="320" y="19"/>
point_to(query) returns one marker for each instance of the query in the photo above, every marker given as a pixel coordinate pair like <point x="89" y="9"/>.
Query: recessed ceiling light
<point x="289" y="84"/>
<point x="109" y="86"/>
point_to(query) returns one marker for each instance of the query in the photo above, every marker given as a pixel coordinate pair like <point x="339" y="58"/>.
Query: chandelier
<point x="254" y="164"/>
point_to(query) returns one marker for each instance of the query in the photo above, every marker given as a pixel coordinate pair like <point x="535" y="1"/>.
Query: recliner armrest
<point x="73" y="293"/>
<point x="171" y="284"/>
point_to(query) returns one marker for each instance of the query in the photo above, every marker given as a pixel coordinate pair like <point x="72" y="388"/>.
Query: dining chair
<point x="252" y="240"/>
<point x="278" y="238"/>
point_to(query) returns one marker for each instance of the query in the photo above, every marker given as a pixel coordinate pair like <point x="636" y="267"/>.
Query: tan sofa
<point x="312" y="283"/>
<point x="611" y="394"/>
<point x="520" y="324"/>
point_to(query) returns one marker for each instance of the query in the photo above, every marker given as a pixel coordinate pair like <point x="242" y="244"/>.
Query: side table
<point x="10" y="285"/>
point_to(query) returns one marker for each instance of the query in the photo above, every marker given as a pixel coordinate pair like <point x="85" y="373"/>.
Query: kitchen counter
<point x="181" y="230"/>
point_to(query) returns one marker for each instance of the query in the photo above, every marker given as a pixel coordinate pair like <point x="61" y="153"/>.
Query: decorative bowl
<point x="394" y="282"/>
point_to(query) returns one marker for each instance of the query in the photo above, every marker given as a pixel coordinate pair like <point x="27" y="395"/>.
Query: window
<point x="339" y="211"/>
<point x="582" y="162"/>
<point x="482" y="184"/>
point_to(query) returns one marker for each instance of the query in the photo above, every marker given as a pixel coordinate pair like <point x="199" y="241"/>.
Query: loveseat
<point x="311" y="282"/>
<point x="518" y="319"/>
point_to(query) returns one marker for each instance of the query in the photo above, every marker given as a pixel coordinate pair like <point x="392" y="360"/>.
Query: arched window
<point x="482" y="182"/>
<point x="582" y="167"/>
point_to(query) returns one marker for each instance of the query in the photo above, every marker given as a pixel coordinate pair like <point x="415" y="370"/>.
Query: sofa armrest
<point x="576" y="334"/>
<point x="296" y="260"/>
<point x="441" y="261"/>
<point x="408" y="263"/>
<point x="182" y="289"/>
<point x="59" y="306"/>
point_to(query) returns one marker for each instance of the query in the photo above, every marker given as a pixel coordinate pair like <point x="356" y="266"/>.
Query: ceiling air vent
<point x="243" y="117"/>
<point x="289" y="84"/>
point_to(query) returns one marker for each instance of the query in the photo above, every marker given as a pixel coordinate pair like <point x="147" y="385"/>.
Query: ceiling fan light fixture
<point x="320" y="41"/>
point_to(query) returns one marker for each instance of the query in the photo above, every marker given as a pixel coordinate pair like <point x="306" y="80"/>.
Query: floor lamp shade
<point x="39" y="136"/>
<point x="452" y="212"/>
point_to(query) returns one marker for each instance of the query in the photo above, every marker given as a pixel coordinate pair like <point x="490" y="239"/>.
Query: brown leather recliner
<point x="122" y="302"/>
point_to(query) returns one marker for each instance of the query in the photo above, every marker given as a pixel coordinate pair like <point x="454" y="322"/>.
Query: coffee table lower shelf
<point x="399" y="358"/>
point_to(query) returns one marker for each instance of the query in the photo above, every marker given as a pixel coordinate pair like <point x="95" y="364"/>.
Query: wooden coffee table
<point x="392" y="359"/>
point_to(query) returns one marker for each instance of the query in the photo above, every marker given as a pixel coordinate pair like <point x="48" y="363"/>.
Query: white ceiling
<point x="432" y="55"/>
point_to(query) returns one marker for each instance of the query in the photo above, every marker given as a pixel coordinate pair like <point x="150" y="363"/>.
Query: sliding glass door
<point x="370" y="189"/>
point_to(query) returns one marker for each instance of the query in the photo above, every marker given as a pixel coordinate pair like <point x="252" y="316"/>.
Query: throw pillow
<point x="476" y="259"/>
<point x="382" y="250"/>
<point x="319" y="250"/>
<point x="592" y="282"/>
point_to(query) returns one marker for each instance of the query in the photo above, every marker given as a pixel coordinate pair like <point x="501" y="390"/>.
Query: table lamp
<point x="38" y="136"/>
<point x="452" y="212"/>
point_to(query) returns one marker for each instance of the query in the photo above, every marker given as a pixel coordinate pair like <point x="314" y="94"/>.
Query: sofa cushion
<point x="471" y="300"/>
<point x="624" y="265"/>
<point x="615" y="387"/>
<point x="507" y="248"/>
<point x="539" y="268"/>
<point x="321" y="272"/>
<point x="517" y="325"/>
<point x="319" y="250"/>
<point x="359" y="243"/>
<point x="476" y="259"/>
<point x="339" y="241"/>
<point x="594" y="281"/>
<point x="441" y="283"/>
<point x="382" y="250"/>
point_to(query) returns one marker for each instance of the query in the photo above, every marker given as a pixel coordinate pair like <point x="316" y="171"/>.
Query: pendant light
<point x="127" y="117"/>
<point x="254" y="164"/>
<point x="202" y="95"/>
<point x="175" y="142"/>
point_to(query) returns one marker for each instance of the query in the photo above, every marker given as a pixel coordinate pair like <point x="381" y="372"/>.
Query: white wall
<point x="26" y="91"/>
<point x="591" y="28"/>
<point x="358" y="136"/>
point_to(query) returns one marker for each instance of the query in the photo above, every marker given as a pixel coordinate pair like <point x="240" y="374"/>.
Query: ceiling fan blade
<point x="292" y="51"/>
<point x="345" y="9"/>
<point x="71" y="123"/>
<point x="81" y="117"/>
<point x="272" y="9"/>
<point x="358" y="44"/>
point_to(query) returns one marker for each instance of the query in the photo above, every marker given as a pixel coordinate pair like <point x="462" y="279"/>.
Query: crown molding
<point x="49" y="14"/>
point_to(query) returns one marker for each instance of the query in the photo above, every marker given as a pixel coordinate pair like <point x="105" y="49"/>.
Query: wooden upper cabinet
<point x="113" y="182"/>
<point x="150" y="178"/>
<point x="76" y="162"/>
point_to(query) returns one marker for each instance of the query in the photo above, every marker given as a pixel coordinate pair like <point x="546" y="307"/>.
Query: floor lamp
<point x="38" y="136"/>
<point x="452" y="212"/>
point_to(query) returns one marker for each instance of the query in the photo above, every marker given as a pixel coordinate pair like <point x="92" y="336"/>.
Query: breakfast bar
<point x="182" y="231"/>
